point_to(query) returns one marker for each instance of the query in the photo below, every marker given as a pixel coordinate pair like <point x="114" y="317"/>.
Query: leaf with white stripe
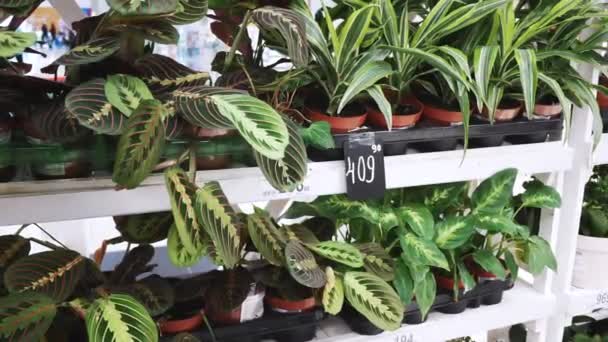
<point x="484" y="59"/>
<point x="266" y="237"/>
<point x="90" y="52"/>
<point x="163" y="74"/>
<point x="494" y="193"/>
<point x="143" y="7"/>
<point x="454" y="232"/>
<point x="364" y="78"/>
<point x="333" y="293"/>
<point x="303" y="267"/>
<point x="528" y="74"/>
<point x="126" y="92"/>
<point x="189" y="11"/>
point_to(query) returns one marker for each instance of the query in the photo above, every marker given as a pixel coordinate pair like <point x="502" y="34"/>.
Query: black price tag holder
<point x="364" y="167"/>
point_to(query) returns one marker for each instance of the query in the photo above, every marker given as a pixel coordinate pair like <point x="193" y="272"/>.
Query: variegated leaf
<point x="341" y="252"/>
<point x="164" y="74"/>
<point x="426" y="291"/>
<point x="495" y="223"/>
<point x="25" y="316"/>
<point x="221" y="223"/>
<point x="376" y="260"/>
<point x="134" y="263"/>
<point x="490" y="263"/>
<point x="494" y="193"/>
<point x="289" y="172"/>
<point x="143" y="7"/>
<point x="403" y="282"/>
<point x="158" y="31"/>
<point x="229" y="289"/>
<point x="266" y="237"/>
<point x="333" y="293"/>
<point x="119" y="317"/>
<point x="53" y="273"/>
<point x="144" y="228"/>
<point x="178" y="254"/>
<point x="375" y="299"/>
<point x="56" y="124"/>
<point x="290" y="25"/>
<point x="539" y="195"/>
<point x="419" y="218"/>
<point x="90" y="106"/>
<point x="483" y="63"/>
<point x="126" y="93"/>
<point x="189" y="11"/>
<point x="300" y="233"/>
<point x="182" y="195"/>
<point x="154" y="292"/>
<point x="528" y="74"/>
<point x="423" y="252"/>
<point x="13" y="43"/>
<point x="453" y="232"/>
<point x="90" y="52"/>
<point x="302" y="266"/>
<point x="195" y="105"/>
<point x="140" y="146"/>
<point x="12" y="248"/>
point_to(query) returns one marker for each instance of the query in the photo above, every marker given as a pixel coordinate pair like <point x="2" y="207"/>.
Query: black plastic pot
<point x="358" y="323"/>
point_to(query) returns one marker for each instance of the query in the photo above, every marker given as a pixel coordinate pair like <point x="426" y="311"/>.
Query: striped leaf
<point x="490" y="263"/>
<point x="466" y="277"/>
<point x="178" y="254"/>
<point x="90" y="106"/>
<point x="352" y="34"/>
<point x="163" y="74"/>
<point x="143" y="7"/>
<point x="340" y="252"/>
<point x="12" y="248"/>
<point x="221" y="223"/>
<point x="90" y="52"/>
<point x="16" y="3"/>
<point x="301" y="233"/>
<point x="154" y="292"/>
<point x="25" y="316"/>
<point x="258" y="123"/>
<point x="13" y="43"/>
<point x="374" y="299"/>
<point x="159" y="31"/>
<point x="303" y="267"/>
<point x="56" y="124"/>
<point x="126" y="93"/>
<point x="364" y="78"/>
<point x="377" y="94"/>
<point x="453" y="232"/>
<point x="494" y="193"/>
<point x="53" y="273"/>
<point x="425" y="292"/>
<point x="419" y="218"/>
<point x="483" y="63"/>
<point x="134" y="263"/>
<point x="528" y="75"/>
<point x="229" y="289"/>
<point x="290" y="25"/>
<point x="495" y="223"/>
<point x="182" y="195"/>
<point x="266" y="237"/>
<point x="189" y="11"/>
<point x="195" y="105"/>
<point x="140" y="146"/>
<point x="423" y="252"/>
<point x="144" y="228"/>
<point x="289" y="172"/>
<point x="333" y="293"/>
<point x="539" y="195"/>
<point x="563" y="100"/>
<point x="119" y="317"/>
<point x="377" y="261"/>
<point x="403" y="282"/>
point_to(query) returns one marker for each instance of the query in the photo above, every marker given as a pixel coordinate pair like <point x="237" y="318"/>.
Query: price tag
<point x="404" y="338"/>
<point x="601" y="301"/>
<point x="364" y="164"/>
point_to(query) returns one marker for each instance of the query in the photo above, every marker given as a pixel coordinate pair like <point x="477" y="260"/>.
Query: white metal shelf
<point x="600" y="156"/>
<point x="521" y="304"/>
<point x="47" y="201"/>
<point x="587" y="301"/>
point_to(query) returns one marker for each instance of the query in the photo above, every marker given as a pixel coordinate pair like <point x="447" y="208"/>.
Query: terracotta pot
<point x="213" y="162"/>
<point x="547" y="110"/>
<point x="338" y="124"/>
<point x="442" y="116"/>
<point x="376" y="118"/>
<point x="602" y="99"/>
<point x="225" y="317"/>
<point x="208" y="133"/>
<point x="447" y="283"/>
<point x="181" y="325"/>
<point x="504" y="114"/>
<point x="283" y="305"/>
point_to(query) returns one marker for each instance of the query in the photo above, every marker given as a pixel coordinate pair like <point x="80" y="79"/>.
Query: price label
<point x="404" y="338"/>
<point x="364" y="164"/>
<point x="601" y="299"/>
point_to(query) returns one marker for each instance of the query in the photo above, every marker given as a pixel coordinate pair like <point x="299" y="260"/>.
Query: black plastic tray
<point x="427" y="137"/>
<point x="298" y="327"/>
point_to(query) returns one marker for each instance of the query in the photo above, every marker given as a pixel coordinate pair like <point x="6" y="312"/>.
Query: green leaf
<point x="483" y="63"/>
<point x="340" y="252"/>
<point x="266" y="237"/>
<point x="134" y="263"/>
<point x="318" y="135"/>
<point x="93" y="51"/>
<point x="528" y="74"/>
<point x="88" y="103"/>
<point x="258" y="123"/>
<point x="454" y="232"/>
<point x="495" y="223"/>
<point x="352" y="35"/>
<point x="182" y="196"/>
<point x="195" y="104"/>
<point x="143" y="7"/>
<point x="423" y="252"/>
<point x="364" y="78"/>
<point x="154" y="292"/>
<point x="376" y="93"/>
<point x="144" y="228"/>
<point x="466" y="277"/>
<point x="419" y="218"/>
<point x="157" y="31"/>
<point x="221" y="223"/>
<point x="425" y="292"/>
<point x="377" y="261"/>
<point x="126" y="92"/>
<point x="119" y="317"/>
<point x="164" y="75"/>
<point x="178" y="254"/>
<point x="25" y="316"/>
<point x="53" y="273"/>
<point x="300" y="232"/>
<point x="375" y="299"/>
<point x="13" y="43"/>
<point x="333" y="293"/>
<point x="303" y="267"/>
<point x="403" y="282"/>
<point x="539" y="195"/>
<point x="417" y="271"/>
<point x="494" y="193"/>
<point x="140" y="146"/>
<point x="564" y="101"/>
<point x="490" y="263"/>
<point x="511" y="264"/>
<point x="12" y="248"/>
<point x="289" y="172"/>
<point x="539" y="255"/>
<point x="290" y="25"/>
<point x="189" y="12"/>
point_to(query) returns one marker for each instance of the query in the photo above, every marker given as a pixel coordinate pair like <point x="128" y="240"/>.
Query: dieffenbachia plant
<point x="594" y="219"/>
<point x="359" y="273"/>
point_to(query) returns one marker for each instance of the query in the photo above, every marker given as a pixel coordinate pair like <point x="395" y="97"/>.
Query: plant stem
<point x="392" y="245"/>
<point x="50" y="236"/>
<point x="22" y="228"/>
<point x="168" y="163"/>
<point x="45" y="244"/>
<point x="236" y="42"/>
<point x="210" y="328"/>
<point x="192" y="166"/>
